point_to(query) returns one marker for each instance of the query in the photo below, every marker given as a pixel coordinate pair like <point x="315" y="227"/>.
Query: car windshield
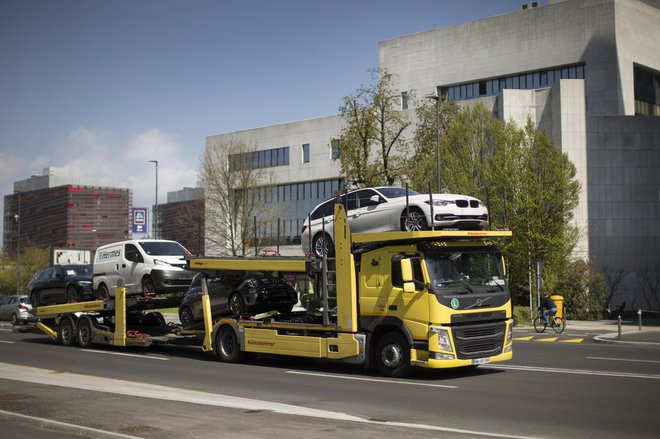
<point x="157" y="248"/>
<point x="464" y="269"/>
<point x="395" y="192"/>
<point x="78" y="270"/>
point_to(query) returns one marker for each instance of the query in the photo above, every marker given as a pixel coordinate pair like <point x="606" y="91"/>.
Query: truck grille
<point x="478" y="341"/>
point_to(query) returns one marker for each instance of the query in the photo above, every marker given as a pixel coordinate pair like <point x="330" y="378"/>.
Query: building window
<point x="404" y="100"/>
<point x="267" y="158"/>
<point x="647" y="91"/>
<point x="334" y="149"/>
<point x="305" y="153"/>
<point x="523" y="81"/>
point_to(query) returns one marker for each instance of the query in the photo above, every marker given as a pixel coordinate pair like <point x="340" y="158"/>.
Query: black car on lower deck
<point x="61" y="284"/>
<point x="238" y="293"/>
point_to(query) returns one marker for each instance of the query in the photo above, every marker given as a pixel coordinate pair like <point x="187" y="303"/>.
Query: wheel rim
<point x="392" y="355"/>
<point x="186" y="317"/>
<point x="235" y="305"/>
<point x="84" y="334"/>
<point x="66" y="331"/>
<point x="414" y="222"/>
<point x="148" y="287"/>
<point x="321" y="246"/>
<point x="103" y="293"/>
<point x="70" y="296"/>
<point x="227" y="344"/>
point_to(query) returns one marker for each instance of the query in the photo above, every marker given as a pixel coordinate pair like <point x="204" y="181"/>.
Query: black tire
<point x="285" y="310"/>
<point x="71" y="295"/>
<point x="67" y="332"/>
<point x="539" y="325"/>
<point x="14" y="319"/>
<point x="84" y="332"/>
<point x="393" y="355"/>
<point x="559" y="325"/>
<point x="228" y="349"/>
<point x="322" y="244"/>
<point x="413" y="220"/>
<point x="186" y="317"/>
<point x="236" y="305"/>
<point x="103" y="293"/>
<point x="148" y="288"/>
<point x="154" y="319"/>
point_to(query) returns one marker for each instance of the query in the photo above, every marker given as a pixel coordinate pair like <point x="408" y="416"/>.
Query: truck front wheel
<point x="393" y="355"/>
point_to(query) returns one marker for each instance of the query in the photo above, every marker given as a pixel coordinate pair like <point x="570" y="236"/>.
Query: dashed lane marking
<point x="549" y="339"/>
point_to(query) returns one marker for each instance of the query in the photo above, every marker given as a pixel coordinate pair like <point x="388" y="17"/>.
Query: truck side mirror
<point x="409" y="287"/>
<point x="406" y="271"/>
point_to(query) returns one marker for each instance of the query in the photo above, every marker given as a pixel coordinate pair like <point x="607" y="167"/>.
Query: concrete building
<point x="57" y="210"/>
<point x="586" y="71"/>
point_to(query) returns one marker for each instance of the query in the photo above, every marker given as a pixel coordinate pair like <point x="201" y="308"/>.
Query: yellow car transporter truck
<point x="433" y="299"/>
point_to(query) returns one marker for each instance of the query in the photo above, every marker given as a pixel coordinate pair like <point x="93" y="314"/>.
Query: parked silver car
<point x="17" y="309"/>
<point x="383" y="209"/>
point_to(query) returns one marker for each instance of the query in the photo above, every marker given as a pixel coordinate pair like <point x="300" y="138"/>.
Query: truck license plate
<point x="481" y="360"/>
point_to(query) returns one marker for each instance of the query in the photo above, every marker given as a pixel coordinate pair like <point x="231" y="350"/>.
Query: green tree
<point x="582" y="288"/>
<point x="432" y="124"/>
<point x="33" y="259"/>
<point x="372" y="142"/>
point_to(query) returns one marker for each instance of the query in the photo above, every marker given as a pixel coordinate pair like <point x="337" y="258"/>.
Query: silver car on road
<point x="387" y="209"/>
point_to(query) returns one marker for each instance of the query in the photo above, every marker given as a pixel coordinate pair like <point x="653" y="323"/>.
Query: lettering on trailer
<point x="270" y="344"/>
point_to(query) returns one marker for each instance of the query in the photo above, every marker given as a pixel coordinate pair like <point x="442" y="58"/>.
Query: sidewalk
<point x="607" y="331"/>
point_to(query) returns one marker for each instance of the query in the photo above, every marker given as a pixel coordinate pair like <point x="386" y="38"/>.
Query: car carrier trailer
<point x="393" y="301"/>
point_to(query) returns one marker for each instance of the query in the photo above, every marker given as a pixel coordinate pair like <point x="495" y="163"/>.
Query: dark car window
<point x="364" y="197"/>
<point x="163" y="248"/>
<point x="132" y="253"/>
<point x="394" y="192"/>
<point x="324" y="209"/>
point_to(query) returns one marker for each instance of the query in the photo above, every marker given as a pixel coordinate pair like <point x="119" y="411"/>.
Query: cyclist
<point x="548" y="306"/>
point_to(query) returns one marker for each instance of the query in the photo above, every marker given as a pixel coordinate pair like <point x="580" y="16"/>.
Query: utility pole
<point x="18" y="245"/>
<point x="156" y="205"/>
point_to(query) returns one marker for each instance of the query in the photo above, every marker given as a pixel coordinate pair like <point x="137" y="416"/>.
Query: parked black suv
<point x="237" y="293"/>
<point x="61" y="284"/>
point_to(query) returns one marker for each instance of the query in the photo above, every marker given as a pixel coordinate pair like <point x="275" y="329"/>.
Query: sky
<point x="101" y="87"/>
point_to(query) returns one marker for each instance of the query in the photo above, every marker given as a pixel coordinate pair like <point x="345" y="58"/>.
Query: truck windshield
<point x="467" y="271"/>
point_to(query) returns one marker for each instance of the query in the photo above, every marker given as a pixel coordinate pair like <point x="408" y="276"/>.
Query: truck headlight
<point x="444" y="342"/>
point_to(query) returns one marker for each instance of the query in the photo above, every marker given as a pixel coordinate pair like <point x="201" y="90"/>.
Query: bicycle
<point x="557" y="323"/>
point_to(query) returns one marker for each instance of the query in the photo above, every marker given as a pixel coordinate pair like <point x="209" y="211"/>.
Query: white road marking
<point x="146" y="357"/>
<point x="623" y="359"/>
<point x="375" y="380"/>
<point x="574" y="371"/>
<point x="128" y="388"/>
<point x="8" y="342"/>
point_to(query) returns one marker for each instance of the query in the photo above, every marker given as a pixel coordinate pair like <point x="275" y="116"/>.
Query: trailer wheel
<point x="67" y="332"/>
<point x="393" y="355"/>
<point x="85" y="332"/>
<point x="228" y="349"/>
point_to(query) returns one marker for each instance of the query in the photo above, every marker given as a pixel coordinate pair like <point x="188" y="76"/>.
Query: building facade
<point x="586" y="71"/>
<point x="50" y="213"/>
<point x="181" y="219"/>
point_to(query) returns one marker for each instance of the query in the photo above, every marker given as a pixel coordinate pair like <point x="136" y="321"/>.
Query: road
<point x="562" y="389"/>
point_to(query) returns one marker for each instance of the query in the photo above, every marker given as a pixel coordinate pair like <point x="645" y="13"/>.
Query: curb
<point x="50" y="424"/>
<point x="612" y="338"/>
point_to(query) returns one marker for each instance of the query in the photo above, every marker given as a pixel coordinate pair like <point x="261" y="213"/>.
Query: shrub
<point x="521" y="316"/>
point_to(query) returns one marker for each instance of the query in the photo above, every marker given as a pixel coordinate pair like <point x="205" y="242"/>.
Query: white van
<point x="148" y="267"/>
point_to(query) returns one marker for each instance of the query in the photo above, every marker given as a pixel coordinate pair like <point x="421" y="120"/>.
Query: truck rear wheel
<point x="228" y="349"/>
<point x="393" y="355"/>
<point x="67" y="332"/>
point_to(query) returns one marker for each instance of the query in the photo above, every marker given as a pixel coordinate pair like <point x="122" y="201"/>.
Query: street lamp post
<point x="437" y="139"/>
<point x="17" y="217"/>
<point x="156" y="205"/>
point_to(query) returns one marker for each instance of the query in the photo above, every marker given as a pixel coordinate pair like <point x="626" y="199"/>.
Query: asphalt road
<point x="550" y="389"/>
